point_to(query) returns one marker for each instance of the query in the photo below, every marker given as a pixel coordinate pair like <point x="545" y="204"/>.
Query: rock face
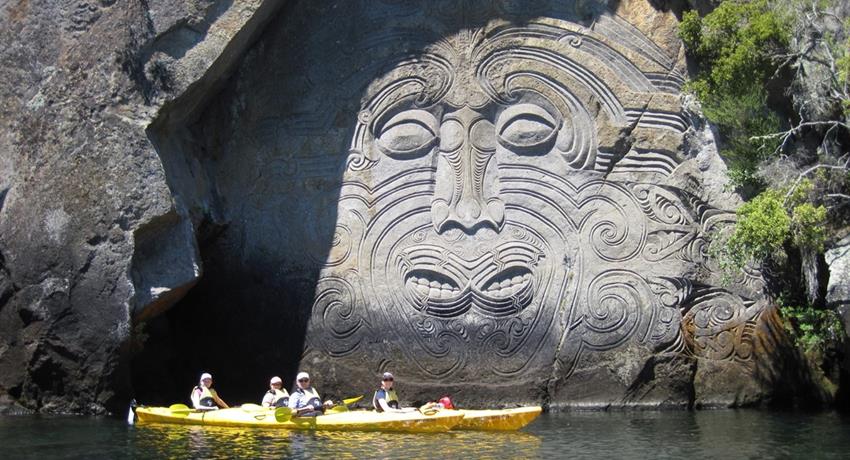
<point x="838" y="288"/>
<point x="506" y="201"/>
<point x="89" y="233"/>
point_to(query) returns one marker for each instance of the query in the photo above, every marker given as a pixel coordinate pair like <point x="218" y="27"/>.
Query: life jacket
<point x="312" y="399"/>
<point x="281" y="398"/>
<point x="389" y="395"/>
<point x="207" y="396"/>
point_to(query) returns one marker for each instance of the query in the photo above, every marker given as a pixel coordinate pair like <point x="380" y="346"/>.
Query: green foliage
<point x="736" y="41"/>
<point x="808" y="222"/>
<point x="812" y="329"/>
<point x="808" y="226"/>
<point x="734" y="46"/>
<point x="766" y="223"/>
<point x="741" y="117"/>
<point x="763" y="227"/>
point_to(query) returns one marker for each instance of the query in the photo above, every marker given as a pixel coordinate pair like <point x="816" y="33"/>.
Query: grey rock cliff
<point x="89" y="233"/>
<point x="480" y="196"/>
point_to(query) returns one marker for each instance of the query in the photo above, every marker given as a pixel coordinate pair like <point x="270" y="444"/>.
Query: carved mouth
<point x="505" y="294"/>
<point x="507" y="283"/>
<point x="428" y="284"/>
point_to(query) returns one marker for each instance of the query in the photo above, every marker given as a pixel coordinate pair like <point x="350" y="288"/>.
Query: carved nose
<point x="468" y="214"/>
<point x="467" y="183"/>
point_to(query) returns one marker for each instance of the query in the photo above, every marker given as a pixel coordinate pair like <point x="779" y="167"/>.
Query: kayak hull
<point x="344" y="421"/>
<point x="497" y="420"/>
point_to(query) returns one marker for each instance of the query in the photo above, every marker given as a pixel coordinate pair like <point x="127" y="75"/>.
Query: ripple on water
<point x="692" y="435"/>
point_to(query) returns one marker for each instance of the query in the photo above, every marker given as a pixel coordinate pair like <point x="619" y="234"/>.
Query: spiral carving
<point x="612" y="238"/>
<point x="338" y="310"/>
<point x="357" y="161"/>
<point x="615" y="306"/>
<point x="658" y="206"/>
<point x="340" y="246"/>
<point x="719" y="325"/>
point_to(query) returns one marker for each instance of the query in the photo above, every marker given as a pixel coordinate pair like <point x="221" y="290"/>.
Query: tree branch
<point x="805" y="173"/>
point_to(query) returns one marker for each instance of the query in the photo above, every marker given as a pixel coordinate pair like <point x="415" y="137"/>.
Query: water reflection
<point x="176" y="441"/>
<point x="692" y="435"/>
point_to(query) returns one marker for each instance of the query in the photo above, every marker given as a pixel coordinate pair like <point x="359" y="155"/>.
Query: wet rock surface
<point x="509" y="202"/>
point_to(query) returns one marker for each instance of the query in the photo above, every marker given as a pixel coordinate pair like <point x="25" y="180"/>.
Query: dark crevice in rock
<point x="229" y="300"/>
<point x="7" y="286"/>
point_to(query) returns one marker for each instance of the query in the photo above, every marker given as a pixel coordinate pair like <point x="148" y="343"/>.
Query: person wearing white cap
<point x="386" y="399"/>
<point x="204" y="397"/>
<point x="305" y="400"/>
<point x="276" y="397"/>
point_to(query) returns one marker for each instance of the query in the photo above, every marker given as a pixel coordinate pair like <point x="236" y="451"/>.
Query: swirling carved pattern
<point x="661" y="205"/>
<point x="488" y="254"/>
<point x="357" y="161"/>
<point x="338" y="312"/>
<point x="719" y="325"/>
<point x="670" y="294"/>
<point x="340" y="246"/>
<point x="610" y="231"/>
<point x="662" y="244"/>
<point x="616" y="308"/>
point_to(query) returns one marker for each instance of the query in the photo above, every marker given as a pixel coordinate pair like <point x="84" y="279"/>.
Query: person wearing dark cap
<point x="386" y="399"/>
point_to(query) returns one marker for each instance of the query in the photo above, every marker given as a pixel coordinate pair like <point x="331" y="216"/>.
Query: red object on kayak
<point x="446" y="402"/>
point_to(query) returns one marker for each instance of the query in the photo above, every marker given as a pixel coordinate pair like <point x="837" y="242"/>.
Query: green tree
<point x="735" y="46"/>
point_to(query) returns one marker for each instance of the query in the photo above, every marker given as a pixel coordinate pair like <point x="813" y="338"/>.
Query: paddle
<point x="282" y="414"/>
<point x="353" y="400"/>
<point x="343" y="406"/>
<point x="179" y="409"/>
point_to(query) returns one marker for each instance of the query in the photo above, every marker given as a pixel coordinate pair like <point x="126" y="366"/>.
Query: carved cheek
<point x="482" y="135"/>
<point x="451" y="136"/>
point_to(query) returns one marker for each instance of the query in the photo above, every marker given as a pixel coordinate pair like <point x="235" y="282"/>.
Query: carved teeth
<point x="504" y="288"/>
<point x="432" y="289"/>
<point x="508" y="286"/>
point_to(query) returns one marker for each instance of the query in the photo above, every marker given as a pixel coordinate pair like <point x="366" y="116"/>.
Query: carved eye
<point x="526" y="128"/>
<point x="409" y="134"/>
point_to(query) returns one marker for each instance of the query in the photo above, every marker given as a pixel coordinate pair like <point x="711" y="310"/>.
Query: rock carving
<point x="503" y="206"/>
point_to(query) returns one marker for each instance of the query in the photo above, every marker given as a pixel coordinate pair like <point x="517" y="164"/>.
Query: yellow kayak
<point x="497" y="420"/>
<point x="413" y="422"/>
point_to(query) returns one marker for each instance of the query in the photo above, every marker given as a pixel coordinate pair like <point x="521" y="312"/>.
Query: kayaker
<point x="276" y="397"/>
<point x="432" y="407"/>
<point x="304" y="400"/>
<point x="204" y="397"/>
<point x="386" y="399"/>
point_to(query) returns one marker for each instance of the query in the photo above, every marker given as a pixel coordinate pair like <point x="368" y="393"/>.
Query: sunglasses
<point x="303" y="380"/>
<point x="388" y="380"/>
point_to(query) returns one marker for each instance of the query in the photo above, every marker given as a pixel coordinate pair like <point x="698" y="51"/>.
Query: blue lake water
<point x="573" y="435"/>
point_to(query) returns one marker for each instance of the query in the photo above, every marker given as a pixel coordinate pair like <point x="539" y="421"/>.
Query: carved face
<point x="479" y="232"/>
<point x="460" y="252"/>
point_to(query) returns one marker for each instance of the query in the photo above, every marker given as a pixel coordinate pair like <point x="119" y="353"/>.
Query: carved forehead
<point x="498" y="62"/>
